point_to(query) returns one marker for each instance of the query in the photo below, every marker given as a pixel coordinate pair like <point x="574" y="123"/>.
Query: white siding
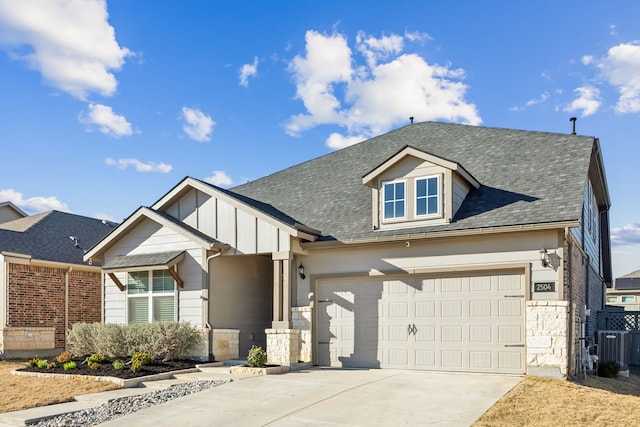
<point x="267" y="237"/>
<point x="8" y="214"/>
<point x="246" y="233"/>
<point x="189" y="209"/>
<point x="150" y="237"/>
<point x="460" y="189"/>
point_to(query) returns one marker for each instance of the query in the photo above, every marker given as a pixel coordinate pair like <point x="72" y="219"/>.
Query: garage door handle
<point x="411" y="329"/>
<point x="514" y="296"/>
<point x="514" y="345"/>
<point x="325" y="300"/>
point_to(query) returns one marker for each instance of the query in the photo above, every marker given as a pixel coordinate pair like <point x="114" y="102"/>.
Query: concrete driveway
<point x="334" y="397"/>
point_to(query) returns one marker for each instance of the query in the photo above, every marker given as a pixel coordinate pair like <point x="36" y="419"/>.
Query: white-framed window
<point x="628" y="298"/>
<point x="151" y="296"/>
<point x="427" y="196"/>
<point x="612" y="298"/>
<point x="394" y="205"/>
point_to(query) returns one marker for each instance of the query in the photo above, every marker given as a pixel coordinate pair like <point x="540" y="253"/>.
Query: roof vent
<point x="573" y="125"/>
<point x="411" y="119"/>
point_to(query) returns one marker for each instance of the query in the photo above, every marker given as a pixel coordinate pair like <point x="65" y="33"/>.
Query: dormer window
<point x="395" y="199"/>
<point x="413" y="188"/>
<point x="428" y="196"/>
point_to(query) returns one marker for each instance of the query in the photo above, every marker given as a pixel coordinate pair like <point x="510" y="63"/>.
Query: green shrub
<point x="69" y="365"/>
<point x="163" y="340"/>
<point x="139" y="359"/>
<point x="118" y="365"/>
<point x="608" y="369"/>
<point x="96" y="358"/>
<point x="63" y="357"/>
<point x="42" y="364"/>
<point x="33" y="362"/>
<point x="257" y="357"/>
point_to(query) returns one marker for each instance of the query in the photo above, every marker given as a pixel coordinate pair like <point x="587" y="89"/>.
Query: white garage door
<point x="471" y="323"/>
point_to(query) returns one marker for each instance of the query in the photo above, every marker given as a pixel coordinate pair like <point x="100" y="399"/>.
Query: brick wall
<point x="36" y="298"/>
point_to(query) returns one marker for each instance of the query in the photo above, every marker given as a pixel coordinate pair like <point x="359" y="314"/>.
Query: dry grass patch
<point x="545" y="402"/>
<point x="19" y="392"/>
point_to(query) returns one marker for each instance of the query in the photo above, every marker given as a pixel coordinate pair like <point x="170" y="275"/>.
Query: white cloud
<point x="621" y="69"/>
<point x="248" y="70"/>
<point x="626" y="235"/>
<point x="70" y="42"/>
<point x="198" y="126"/>
<point x="337" y="141"/>
<point x="105" y="217"/>
<point x="417" y="36"/>
<point x="33" y="204"/>
<point x="139" y="166"/>
<point x="219" y="178"/>
<point x="369" y="99"/>
<point x="543" y="97"/>
<point x="588" y="101"/>
<point x="108" y="122"/>
<point x="587" y="59"/>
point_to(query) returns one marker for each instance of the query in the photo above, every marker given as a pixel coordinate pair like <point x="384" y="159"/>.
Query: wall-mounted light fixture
<point x="544" y="257"/>
<point x="301" y="272"/>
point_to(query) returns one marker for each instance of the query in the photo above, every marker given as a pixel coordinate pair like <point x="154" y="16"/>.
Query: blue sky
<point x="105" y="106"/>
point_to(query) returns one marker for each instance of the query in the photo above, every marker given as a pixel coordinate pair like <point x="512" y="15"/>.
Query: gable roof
<point x="526" y="178"/>
<point x="164" y="219"/>
<point x="409" y="151"/>
<point x="10" y="206"/>
<point x="46" y="236"/>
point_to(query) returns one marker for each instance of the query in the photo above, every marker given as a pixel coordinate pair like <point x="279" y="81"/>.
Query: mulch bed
<point x="107" y="369"/>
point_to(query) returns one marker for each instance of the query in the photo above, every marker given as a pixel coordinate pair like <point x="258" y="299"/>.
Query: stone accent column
<point x="281" y="290"/>
<point x="226" y="344"/>
<point x="547" y="325"/>
<point x="301" y="319"/>
<point x="283" y="346"/>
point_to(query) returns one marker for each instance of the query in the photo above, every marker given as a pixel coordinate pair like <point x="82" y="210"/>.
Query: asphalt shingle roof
<point x="526" y="178"/>
<point x="46" y="236"/>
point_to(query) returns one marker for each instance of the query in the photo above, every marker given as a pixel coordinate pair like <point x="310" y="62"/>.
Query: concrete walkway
<point x="313" y="397"/>
<point x="337" y="397"/>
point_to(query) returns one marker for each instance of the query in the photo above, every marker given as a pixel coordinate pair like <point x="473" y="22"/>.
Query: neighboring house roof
<point x="628" y="282"/>
<point x="11" y="207"/>
<point x="632" y="275"/>
<point x="525" y="178"/>
<point x="47" y="236"/>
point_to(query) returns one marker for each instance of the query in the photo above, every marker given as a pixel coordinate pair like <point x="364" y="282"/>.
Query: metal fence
<point x="623" y="321"/>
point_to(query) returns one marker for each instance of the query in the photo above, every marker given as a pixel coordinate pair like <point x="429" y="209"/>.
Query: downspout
<point x="570" y="335"/>
<point x="207" y="307"/>
<point x="66" y="304"/>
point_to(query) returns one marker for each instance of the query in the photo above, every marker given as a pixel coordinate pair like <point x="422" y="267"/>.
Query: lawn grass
<point x="22" y="392"/>
<point x="546" y="402"/>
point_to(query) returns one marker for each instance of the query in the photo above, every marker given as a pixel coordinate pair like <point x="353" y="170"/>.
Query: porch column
<point x="281" y="290"/>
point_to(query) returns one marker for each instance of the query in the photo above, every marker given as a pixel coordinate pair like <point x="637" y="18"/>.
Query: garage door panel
<point x="458" y="322"/>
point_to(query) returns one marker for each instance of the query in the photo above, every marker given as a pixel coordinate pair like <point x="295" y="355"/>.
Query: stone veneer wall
<point x="226" y="344"/>
<point x="283" y="346"/>
<point x="301" y="319"/>
<point x="547" y="327"/>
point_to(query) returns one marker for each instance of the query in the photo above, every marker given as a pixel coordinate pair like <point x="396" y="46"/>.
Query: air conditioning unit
<point x="613" y="346"/>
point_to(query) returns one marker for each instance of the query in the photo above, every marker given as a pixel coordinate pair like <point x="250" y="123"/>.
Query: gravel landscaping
<point x="127" y="405"/>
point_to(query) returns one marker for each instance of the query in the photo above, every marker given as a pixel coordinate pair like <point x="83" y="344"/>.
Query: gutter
<point x="205" y="314"/>
<point x="332" y="244"/>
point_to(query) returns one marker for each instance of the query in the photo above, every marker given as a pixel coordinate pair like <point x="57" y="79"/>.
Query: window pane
<point x="399" y="190"/>
<point x="421" y="206"/>
<point x="399" y="209"/>
<point x="163" y="309"/>
<point x="433" y="186"/>
<point x="433" y="205"/>
<point x="137" y="282"/>
<point x="421" y="187"/>
<point x="389" y="192"/>
<point x="163" y="282"/>
<point x="139" y="310"/>
<point x="612" y="299"/>
<point x="628" y="298"/>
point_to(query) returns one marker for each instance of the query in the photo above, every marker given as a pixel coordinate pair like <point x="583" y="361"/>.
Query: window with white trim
<point x="427" y="196"/>
<point x="151" y="296"/>
<point x="395" y="200"/>
<point x="612" y="298"/>
<point x="628" y="298"/>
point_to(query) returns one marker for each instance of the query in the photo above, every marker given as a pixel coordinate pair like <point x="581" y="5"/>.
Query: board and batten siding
<point x="460" y="189"/>
<point x="150" y="237"/>
<point x="227" y="221"/>
<point x="590" y="228"/>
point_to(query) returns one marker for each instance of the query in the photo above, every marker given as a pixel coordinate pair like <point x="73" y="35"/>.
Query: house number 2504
<point x="544" y="287"/>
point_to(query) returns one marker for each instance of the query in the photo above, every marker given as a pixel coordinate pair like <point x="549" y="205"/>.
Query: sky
<point x="106" y="105"/>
